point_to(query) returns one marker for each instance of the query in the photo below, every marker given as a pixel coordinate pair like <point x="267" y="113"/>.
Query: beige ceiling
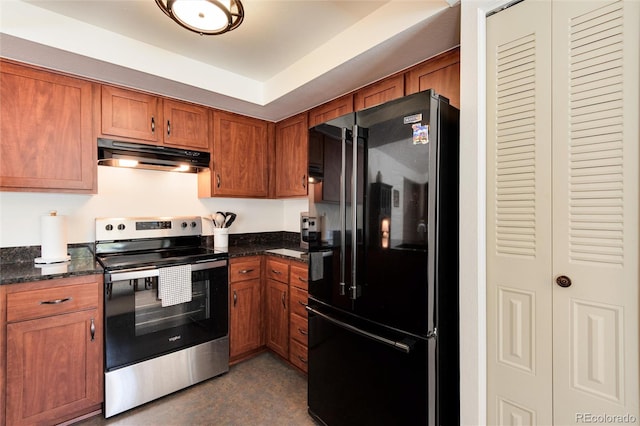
<point x="286" y="57"/>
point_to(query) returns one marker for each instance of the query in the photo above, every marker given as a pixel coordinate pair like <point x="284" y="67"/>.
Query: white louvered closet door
<point x="595" y="209"/>
<point x="563" y="187"/>
<point x="519" y="302"/>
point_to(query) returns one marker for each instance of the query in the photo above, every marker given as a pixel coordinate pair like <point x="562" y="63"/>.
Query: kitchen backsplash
<point x="138" y="193"/>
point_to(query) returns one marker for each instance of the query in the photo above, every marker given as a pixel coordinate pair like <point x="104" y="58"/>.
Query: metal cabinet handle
<point x="92" y="330"/>
<point x="302" y="303"/>
<point x="302" y="359"/>
<point x="235" y="298"/>
<point x="245" y="271"/>
<point x="304" y="181"/>
<point x="303" y="332"/>
<point x="218" y="180"/>
<point x="284" y="304"/>
<point x="56" y="301"/>
<point x="276" y="272"/>
<point x="304" y="280"/>
<point x="168" y="127"/>
<point x="153" y="125"/>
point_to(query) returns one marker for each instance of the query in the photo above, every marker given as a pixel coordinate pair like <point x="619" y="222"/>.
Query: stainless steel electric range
<point x="166" y="308"/>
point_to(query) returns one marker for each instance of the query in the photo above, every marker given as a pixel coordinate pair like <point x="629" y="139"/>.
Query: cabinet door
<point x="291" y="157"/>
<point x="441" y="74"/>
<point x="378" y="93"/>
<point x="47" y="135"/>
<point x="331" y="110"/>
<point x="185" y="125"/>
<point x="54" y="366"/>
<point x="130" y="114"/>
<point x="245" y="317"/>
<point x="278" y="317"/>
<point x="240" y="149"/>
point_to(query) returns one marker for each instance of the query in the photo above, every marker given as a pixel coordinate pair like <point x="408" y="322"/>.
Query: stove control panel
<point x="131" y="228"/>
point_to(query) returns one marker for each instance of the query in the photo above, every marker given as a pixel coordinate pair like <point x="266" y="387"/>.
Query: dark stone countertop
<point x="17" y="266"/>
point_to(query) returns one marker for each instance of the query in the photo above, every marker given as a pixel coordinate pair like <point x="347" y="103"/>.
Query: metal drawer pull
<point x="246" y="271"/>
<point x="56" y="302"/>
<point x="276" y="272"/>
<point x="92" y="329"/>
<point x="304" y="280"/>
<point x="302" y="359"/>
<point x="302" y="303"/>
<point x="303" y="332"/>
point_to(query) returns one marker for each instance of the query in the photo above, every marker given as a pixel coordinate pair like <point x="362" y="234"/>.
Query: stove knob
<point x="121" y="227"/>
<point x="184" y="225"/>
<point x="109" y="227"/>
<point x="193" y="224"/>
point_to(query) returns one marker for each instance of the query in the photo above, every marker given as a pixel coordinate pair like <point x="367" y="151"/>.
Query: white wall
<point x="128" y="193"/>
<point x="473" y="209"/>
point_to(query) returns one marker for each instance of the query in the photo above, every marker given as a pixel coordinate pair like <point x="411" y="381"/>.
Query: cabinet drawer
<point x="278" y="270"/>
<point x="243" y="269"/>
<point x="299" y="274"/>
<point x="298" y="301"/>
<point x="50" y="301"/>
<point x="298" y="355"/>
<point x="299" y="329"/>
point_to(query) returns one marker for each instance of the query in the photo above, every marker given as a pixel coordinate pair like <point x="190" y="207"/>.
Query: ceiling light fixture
<point x="210" y="17"/>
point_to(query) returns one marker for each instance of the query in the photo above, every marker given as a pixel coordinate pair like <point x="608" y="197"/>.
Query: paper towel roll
<point x="54" y="239"/>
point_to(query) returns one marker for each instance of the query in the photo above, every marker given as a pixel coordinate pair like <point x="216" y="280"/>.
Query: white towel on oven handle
<point x="174" y="285"/>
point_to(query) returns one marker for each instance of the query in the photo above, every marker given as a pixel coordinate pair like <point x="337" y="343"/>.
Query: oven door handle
<point x="134" y="274"/>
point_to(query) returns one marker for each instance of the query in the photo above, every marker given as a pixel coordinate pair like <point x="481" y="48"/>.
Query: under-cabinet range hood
<point x="141" y="156"/>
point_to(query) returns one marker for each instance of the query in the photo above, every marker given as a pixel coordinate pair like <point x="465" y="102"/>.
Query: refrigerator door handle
<point x="353" y="288"/>
<point x="343" y="211"/>
<point x="402" y="347"/>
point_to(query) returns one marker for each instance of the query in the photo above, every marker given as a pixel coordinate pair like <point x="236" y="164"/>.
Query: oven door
<point x="138" y="328"/>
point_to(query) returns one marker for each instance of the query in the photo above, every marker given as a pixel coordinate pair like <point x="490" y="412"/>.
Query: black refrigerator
<point x="383" y="265"/>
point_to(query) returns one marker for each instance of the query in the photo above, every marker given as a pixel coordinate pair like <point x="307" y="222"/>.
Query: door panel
<point x="519" y="359"/>
<point x="595" y="208"/>
<point x="563" y="202"/>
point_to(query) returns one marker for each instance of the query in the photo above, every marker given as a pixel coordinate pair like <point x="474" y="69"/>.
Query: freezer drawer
<point x="357" y="379"/>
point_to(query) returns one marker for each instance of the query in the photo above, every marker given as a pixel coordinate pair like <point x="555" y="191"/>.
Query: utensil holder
<point x="221" y="239"/>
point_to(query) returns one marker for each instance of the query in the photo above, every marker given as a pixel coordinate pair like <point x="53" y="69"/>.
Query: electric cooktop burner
<point x="126" y="243"/>
<point x="160" y="258"/>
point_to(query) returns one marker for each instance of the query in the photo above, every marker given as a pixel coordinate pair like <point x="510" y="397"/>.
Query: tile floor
<point x="262" y="391"/>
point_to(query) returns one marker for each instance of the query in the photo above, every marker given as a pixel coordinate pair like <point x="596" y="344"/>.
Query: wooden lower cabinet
<point x="245" y="307"/>
<point x="278" y="317"/>
<point x="54" y="347"/>
<point x="298" y="321"/>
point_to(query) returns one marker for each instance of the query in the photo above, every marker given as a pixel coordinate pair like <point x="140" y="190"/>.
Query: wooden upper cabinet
<point x="151" y="119"/>
<point x="185" y="125"/>
<point x="48" y="143"/>
<point x="378" y="93"/>
<point x="240" y="155"/>
<point x="291" y="178"/>
<point x="441" y="73"/>
<point x="130" y="114"/>
<point x="332" y="109"/>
